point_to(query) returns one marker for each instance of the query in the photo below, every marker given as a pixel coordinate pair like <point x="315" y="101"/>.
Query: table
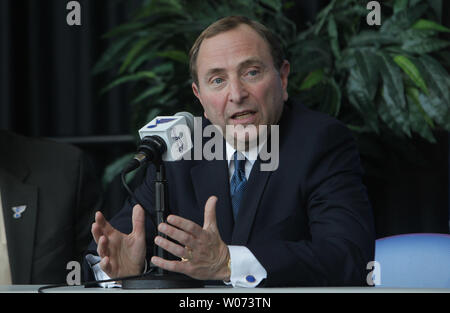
<point x="219" y="290"/>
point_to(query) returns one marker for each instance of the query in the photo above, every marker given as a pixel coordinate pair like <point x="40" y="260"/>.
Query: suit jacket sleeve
<point x="339" y="215"/>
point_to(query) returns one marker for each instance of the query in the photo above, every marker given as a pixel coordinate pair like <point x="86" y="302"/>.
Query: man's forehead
<point x="241" y="46"/>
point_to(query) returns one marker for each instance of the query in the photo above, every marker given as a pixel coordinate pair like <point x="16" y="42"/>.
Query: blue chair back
<point x="413" y="261"/>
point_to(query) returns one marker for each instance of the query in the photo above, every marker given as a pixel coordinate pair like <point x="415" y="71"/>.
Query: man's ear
<point x="196" y="92"/>
<point x="284" y="74"/>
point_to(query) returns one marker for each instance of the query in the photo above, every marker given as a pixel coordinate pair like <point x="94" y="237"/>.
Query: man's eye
<point x="217" y="81"/>
<point x="253" y="73"/>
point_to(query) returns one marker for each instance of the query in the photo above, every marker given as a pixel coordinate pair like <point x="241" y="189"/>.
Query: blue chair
<point x="412" y="261"/>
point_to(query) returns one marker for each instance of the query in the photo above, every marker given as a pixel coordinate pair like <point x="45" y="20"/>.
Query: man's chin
<point x="242" y="139"/>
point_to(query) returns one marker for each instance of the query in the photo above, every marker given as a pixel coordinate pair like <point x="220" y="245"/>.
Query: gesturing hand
<point x="121" y="254"/>
<point x="205" y="255"/>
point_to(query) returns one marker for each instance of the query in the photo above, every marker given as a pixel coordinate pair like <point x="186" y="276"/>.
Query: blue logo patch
<point x="161" y="121"/>
<point x="18" y="210"/>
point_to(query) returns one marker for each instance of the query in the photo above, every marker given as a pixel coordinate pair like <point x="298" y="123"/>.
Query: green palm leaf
<point x="393" y="108"/>
<point x="411" y="70"/>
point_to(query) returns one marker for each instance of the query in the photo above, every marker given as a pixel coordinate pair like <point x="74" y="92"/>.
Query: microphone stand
<point x="157" y="278"/>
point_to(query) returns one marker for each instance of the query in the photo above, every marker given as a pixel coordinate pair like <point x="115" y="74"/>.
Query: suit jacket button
<point x="250" y="278"/>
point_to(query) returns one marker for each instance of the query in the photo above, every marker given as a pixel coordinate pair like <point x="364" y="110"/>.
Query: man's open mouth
<point x="242" y="115"/>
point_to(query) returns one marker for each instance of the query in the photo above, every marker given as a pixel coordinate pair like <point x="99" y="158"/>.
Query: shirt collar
<point x="250" y="155"/>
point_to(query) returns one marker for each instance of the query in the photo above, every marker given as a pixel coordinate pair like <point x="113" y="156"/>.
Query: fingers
<point x="103" y="252"/>
<point x="186" y="231"/>
<point x="179" y="235"/>
<point x="138" y="220"/>
<point x="100" y="226"/>
<point x="170" y="246"/>
<point x="120" y="253"/>
<point x="105" y="265"/>
<point x="185" y="225"/>
<point x="102" y="247"/>
<point x="173" y="266"/>
<point x="100" y="230"/>
<point x="210" y="213"/>
<point x="95" y="229"/>
<point x="201" y="246"/>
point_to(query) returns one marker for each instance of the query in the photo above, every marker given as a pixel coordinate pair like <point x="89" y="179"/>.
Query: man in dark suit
<point x="49" y="194"/>
<point x="307" y="222"/>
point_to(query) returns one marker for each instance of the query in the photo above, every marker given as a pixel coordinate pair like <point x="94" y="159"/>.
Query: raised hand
<point x="204" y="255"/>
<point x="121" y="254"/>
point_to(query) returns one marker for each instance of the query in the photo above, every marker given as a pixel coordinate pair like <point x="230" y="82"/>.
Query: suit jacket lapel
<point x="210" y="178"/>
<point x="255" y="188"/>
<point x="250" y="203"/>
<point x="19" y="231"/>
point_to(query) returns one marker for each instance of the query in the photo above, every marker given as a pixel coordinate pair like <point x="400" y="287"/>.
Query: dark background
<point x="47" y="90"/>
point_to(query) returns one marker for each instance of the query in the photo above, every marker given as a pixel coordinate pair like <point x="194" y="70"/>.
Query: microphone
<point x="165" y="138"/>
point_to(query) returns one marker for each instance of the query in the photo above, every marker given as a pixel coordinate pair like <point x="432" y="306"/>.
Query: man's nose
<point x="238" y="91"/>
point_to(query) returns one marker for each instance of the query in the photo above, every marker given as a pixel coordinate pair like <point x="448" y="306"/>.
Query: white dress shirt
<point x="246" y="271"/>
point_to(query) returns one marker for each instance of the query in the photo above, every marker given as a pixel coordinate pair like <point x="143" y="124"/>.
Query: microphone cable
<point x="96" y="282"/>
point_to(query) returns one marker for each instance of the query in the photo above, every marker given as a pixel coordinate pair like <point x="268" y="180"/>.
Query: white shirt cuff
<point x="246" y="271"/>
<point x="94" y="263"/>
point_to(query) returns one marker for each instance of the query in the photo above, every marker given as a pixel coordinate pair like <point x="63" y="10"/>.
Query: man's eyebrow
<point x="251" y="62"/>
<point x="214" y="71"/>
<point x="242" y="65"/>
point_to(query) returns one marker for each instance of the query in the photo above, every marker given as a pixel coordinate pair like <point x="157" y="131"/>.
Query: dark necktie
<point x="237" y="184"/>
